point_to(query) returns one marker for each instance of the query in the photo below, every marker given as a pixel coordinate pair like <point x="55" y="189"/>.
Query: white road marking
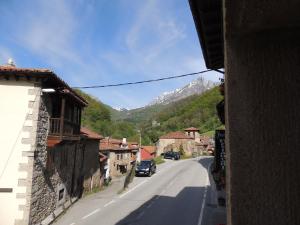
<point x="72" y="224"/>
<point x="121" y="196"/>
<point x="107" y="204"/>
<point x="92" y="213"/>
<point x="202" y="207"/>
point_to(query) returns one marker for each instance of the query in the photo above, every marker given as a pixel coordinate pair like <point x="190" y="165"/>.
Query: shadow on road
<point x="184" y="208"/>
<point x="206" y="161"/>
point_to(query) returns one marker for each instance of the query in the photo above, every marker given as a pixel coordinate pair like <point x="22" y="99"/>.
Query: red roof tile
<point x="175" y="135"/>
<point x="150" y="149"/>
<point x="191" y="129"/>
<point x="115" y="144"/>
<point x="90" y="134"/>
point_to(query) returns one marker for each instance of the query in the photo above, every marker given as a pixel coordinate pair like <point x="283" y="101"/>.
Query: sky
<point x="98" y="42"/>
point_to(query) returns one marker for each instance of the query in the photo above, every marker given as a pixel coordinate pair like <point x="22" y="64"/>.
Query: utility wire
<point x="144" y="81"/>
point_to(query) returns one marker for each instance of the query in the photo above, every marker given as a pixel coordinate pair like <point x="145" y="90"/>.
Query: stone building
<point x="172" y="142"/>
<point x="122" y="155"/>
<point x="93" y="174"/>
<point x="41" y="152"/>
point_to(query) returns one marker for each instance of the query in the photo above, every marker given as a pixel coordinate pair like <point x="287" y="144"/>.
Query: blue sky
<point x="90" y="42"/>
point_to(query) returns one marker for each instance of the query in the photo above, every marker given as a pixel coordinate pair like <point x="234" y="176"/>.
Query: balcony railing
<point x="68" y="128"/>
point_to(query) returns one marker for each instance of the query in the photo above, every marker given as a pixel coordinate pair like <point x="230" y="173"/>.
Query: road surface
<point x="176" y="195"/>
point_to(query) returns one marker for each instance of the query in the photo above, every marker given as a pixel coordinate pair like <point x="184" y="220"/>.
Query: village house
<point x="172" y="142"/>
<point x="148" y="152"/>
<point x="92" y="162"/>
<point x="190" y="141"/>
<point x="122" y="155"/>
<point x="44" y="156"/>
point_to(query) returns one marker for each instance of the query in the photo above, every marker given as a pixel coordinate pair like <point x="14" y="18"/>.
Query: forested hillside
<point x="194" y="111"/>
<point x="98" y="117"/>
<point x="197" y="111"/>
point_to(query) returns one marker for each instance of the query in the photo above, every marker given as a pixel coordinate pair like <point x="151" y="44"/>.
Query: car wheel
<point x="150" y="173"/>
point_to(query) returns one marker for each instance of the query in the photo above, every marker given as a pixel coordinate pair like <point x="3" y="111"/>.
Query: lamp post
<point x="140" y="146"/>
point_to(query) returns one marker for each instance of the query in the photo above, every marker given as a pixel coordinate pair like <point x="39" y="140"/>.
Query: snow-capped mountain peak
<point x="197" y="86"/>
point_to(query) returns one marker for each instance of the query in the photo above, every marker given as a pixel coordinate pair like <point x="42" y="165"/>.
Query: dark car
<point x="145" y="167"/>
<point x="172" y="155"/>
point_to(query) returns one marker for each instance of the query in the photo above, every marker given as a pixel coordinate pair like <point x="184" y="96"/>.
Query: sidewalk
<point x="109" y="192"/>
<point x="218" y="213"/>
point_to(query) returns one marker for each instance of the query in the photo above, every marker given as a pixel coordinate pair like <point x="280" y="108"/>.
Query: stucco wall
<point x="18" y="118"/>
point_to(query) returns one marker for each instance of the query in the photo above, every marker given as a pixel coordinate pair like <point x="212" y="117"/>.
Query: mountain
<point x="197" y="86"/>
<point x="198" y="110"/>
<point x="193" y="111"/>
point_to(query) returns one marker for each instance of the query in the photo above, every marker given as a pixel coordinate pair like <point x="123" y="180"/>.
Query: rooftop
<point x="47" y="77"/>
<point x="191" y="129"/>
<point x="175" y="135"/>
<point x="116" y="144"/>
<point x="90" y="134"/>
<point x="149" y="149"/>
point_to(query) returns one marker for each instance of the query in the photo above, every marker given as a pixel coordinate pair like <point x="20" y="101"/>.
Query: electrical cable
<point x="141" y="82"/>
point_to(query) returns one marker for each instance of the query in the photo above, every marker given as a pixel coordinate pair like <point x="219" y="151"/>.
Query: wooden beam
<point x="62" y="116"/>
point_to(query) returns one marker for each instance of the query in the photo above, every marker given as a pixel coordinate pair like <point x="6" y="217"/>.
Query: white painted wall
<point x="14" y="101"/>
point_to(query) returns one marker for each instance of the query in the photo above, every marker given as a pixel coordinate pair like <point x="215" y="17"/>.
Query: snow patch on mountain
<point x="197" y="86"/>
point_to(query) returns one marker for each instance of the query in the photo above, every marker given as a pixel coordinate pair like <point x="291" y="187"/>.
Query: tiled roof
<point x="115" y="144"/>
<point x="51" y="80"/>
<point x="191" y="129"/>
<point x="175" y="135"/>
<point x="90" y="134"/>
<point x="150" y="149"/>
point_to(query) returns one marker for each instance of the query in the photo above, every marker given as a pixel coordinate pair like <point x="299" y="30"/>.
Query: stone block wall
<point x="56" y="172"/>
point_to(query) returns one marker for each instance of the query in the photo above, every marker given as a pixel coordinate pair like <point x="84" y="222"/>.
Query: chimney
<point x="124" y="141"/>
<point x="11" y="63"/>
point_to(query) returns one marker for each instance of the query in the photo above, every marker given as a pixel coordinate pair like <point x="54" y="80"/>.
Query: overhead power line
<point x="144" y="81"/>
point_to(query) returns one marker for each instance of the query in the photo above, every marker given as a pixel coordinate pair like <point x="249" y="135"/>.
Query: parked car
<point x="172" y="155"/>
<point x="146" y="167"/>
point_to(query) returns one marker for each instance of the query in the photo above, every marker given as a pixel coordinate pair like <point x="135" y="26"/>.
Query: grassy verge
<point x="185" y="156"/>
<point x="159" y="160"/>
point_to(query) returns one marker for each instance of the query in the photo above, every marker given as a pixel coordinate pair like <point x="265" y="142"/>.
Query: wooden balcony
<point x="66" y="129"/>
<point x="62" y="129"/>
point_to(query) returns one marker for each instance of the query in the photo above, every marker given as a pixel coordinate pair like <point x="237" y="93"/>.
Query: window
<point x="61" y="194"/>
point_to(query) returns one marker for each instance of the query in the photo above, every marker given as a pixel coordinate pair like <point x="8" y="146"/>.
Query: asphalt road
<point x="176" y="195"/>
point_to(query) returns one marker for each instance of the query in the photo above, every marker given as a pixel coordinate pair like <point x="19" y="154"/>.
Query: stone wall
<point x="114" y="162"/>
<point x="55" y="177"/>
<point x="165" y="145"/>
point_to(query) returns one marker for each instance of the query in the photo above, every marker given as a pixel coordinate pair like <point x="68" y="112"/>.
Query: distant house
<point x="172" y="142"/>
<point x="148" y="152"/>
<point x="193" y="132"/>
<point x="92" y="171"/>
<point x="121" y="154"/>
<point x="42" y="151"/>
<point x="204" y="145"/>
